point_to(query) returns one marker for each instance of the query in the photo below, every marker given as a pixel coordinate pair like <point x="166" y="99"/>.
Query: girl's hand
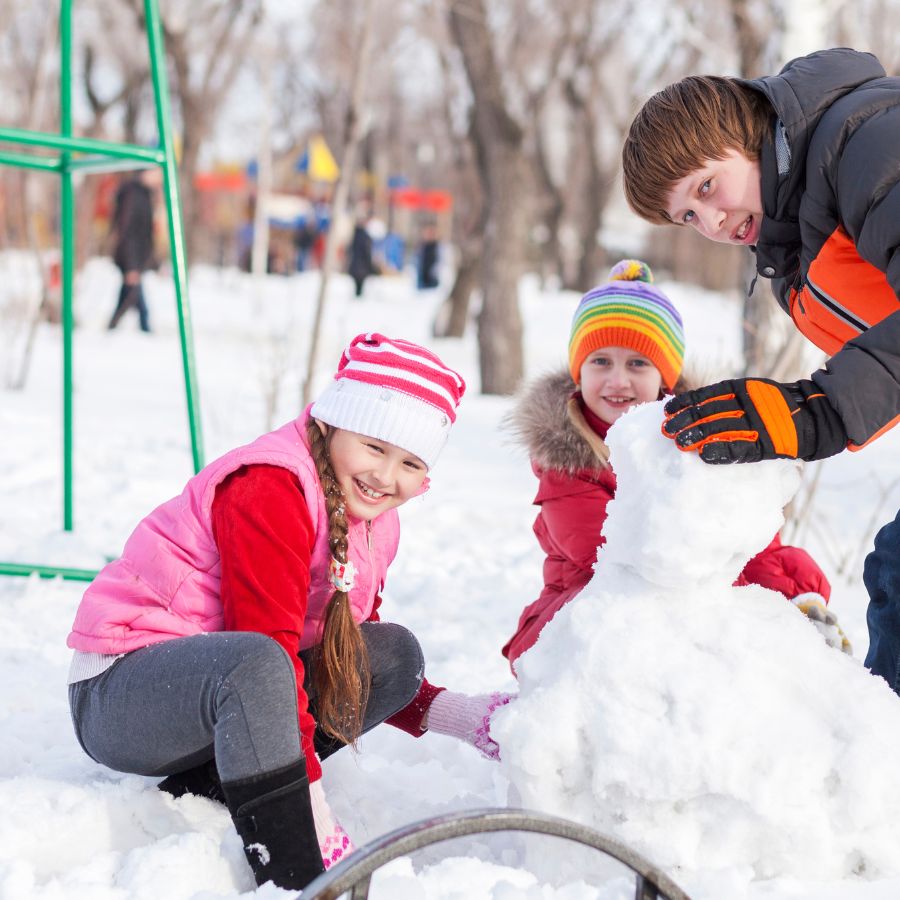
<point x="467" y="718"/>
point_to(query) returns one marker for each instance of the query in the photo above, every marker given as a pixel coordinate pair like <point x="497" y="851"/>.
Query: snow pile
<point x="708" y="726"/>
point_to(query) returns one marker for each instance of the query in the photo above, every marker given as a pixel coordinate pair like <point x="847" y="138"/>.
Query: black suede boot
<point x="273" y="815"/>
<point x="202" y="781"/>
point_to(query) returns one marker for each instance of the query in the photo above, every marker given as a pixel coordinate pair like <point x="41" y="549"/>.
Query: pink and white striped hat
<point x="395" y="391"/>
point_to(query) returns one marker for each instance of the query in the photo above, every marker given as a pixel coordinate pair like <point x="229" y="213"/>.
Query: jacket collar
<point x="800" y="95"/>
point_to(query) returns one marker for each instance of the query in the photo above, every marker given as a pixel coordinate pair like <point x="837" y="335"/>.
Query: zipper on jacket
<point x="798" y="293"/>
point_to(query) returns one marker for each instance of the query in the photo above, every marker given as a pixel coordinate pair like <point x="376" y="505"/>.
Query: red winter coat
<point x="574" y="488"/>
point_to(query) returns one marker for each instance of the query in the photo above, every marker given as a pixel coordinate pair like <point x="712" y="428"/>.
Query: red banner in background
<point x="233" y="180"/>
<point x="414" y="198"/>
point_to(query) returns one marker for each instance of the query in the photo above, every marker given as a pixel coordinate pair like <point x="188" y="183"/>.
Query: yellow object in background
<point x="322" y="165"/>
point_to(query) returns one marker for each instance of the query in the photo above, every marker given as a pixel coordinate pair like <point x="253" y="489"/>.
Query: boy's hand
<point x="814" y="608"/>
<point x="750" y="419"/>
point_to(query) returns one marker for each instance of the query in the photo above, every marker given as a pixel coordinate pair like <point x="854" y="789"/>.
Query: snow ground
<point x="467" y="564"/>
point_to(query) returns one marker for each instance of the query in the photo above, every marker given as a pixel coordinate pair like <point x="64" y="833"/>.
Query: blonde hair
<point x="678" y="129"/>
<point x="341" y="673"/>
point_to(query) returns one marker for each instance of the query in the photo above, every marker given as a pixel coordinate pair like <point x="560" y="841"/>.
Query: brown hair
<point x="694" y="120"/>
<point x="340" y="674"/>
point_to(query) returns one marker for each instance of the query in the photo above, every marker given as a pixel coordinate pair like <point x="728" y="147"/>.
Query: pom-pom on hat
<point x="628" y="311"/>
<point x="394" y="391"/>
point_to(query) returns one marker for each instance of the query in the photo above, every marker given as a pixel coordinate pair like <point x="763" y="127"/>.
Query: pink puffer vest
<point x="166" y="583"/>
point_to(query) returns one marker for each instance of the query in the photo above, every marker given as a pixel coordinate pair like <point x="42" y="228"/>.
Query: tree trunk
<point x="503" y="171"/>
<point x="596" y="196"/>
<point x="551" y="211"/>
<point x="756" y="42"/>
<point x="353" y="134"/>
<point x="453" y="315"/>
<point x="468" y="228"/>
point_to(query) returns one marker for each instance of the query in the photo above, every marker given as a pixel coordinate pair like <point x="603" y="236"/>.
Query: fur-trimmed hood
<point x="556" y="435"/>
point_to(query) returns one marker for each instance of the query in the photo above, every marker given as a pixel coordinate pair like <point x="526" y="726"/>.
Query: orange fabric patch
<point x="776" y="415"/>
<point x="858" y="286"/>
<point x="725" y="436"/>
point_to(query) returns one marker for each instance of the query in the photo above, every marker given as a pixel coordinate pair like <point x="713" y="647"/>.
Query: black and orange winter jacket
<point x="830" y="234"/>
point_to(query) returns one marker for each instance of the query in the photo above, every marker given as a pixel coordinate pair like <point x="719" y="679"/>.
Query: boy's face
<point x="722" y="199"/>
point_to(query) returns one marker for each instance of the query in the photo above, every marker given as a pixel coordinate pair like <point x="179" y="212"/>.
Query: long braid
<point x="341" y="675"/>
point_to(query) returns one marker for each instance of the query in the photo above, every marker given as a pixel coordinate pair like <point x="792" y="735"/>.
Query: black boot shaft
<point x="273" y="815"/>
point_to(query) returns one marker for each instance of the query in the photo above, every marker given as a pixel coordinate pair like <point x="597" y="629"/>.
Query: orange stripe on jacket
<point x="859" y="287"/>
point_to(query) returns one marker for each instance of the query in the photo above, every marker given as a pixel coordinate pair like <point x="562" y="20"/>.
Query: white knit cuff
<point x="387" y="415"/>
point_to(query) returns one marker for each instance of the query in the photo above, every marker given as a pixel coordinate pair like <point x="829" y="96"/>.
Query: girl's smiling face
<point x="613" y="379"/>
<point x="373" y="475"/>
<point x="722" y="199"/>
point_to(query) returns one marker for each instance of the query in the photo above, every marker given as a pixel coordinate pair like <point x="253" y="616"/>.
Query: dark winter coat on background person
<point x="360" y="261"/>
<point x="830" y="233"/>
<point x="132" y="225"/>
<point x="566" y="444"/>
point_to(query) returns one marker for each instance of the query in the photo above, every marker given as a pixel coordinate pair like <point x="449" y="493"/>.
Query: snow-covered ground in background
<point x="711" y="782"/>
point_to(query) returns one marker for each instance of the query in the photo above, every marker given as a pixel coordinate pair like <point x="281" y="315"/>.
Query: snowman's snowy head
<point x="676" y="520"/>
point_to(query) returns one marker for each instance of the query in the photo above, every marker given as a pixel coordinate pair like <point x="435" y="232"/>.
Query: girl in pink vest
<point x="236" y="643"/>
<point x="626" y="347"/>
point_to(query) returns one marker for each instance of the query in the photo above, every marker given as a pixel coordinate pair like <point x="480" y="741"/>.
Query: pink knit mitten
<point x="334" y="842"/>
<point x="467" y="718"/>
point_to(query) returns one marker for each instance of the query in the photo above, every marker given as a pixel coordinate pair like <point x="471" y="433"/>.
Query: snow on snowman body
<point x="708" y="726"/>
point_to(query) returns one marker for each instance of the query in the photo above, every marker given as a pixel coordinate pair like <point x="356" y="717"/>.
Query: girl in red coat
<point x="626" y="347"/>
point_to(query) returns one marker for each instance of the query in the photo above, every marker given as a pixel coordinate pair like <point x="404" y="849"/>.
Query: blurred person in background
<point x="132" y="230"/>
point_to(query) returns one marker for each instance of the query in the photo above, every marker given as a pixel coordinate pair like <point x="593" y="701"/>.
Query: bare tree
<point x="206" y="43"/>
<point x="354" y="130"/>
<point x="767" y="343"/>
<point x="502" y="167"/>
<point x="470" y="220"/>
<point x="32" y="42"/>
<point x="867" y="25"/>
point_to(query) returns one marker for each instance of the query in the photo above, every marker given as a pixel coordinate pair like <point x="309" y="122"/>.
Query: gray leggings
<point x="227" y="695"/>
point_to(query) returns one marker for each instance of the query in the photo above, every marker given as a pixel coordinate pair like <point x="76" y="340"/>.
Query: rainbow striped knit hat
<point x="628" y="311"/>
<point x="394" y="391"/>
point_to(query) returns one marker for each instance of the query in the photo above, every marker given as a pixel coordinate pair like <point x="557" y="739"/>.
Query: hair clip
<point x="342" y="574"/>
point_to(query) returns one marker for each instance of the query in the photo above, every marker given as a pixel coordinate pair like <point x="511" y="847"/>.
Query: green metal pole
<point x="176" y="228"/>
<point x="67" y="227"/>
<point x="22" y="160"/>
<point x="80" y="144"/>
<point x="63" y="572"/>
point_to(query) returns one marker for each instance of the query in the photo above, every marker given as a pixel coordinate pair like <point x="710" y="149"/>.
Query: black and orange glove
<point x="750" y="419"/>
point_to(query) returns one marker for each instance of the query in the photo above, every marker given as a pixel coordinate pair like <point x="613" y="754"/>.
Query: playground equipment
<point x="75" y="154"/>
<point x="354" y="874"/>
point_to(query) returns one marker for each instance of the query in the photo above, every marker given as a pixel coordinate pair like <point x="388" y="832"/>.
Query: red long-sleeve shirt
<point x="264" y="532"/>
<point x="265" y="535"/>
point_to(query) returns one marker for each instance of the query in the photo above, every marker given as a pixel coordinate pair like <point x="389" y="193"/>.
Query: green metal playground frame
<point x="85" y="155"/>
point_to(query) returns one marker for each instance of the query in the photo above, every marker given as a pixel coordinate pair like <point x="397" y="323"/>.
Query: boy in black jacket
<point x="803" y="167"/>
